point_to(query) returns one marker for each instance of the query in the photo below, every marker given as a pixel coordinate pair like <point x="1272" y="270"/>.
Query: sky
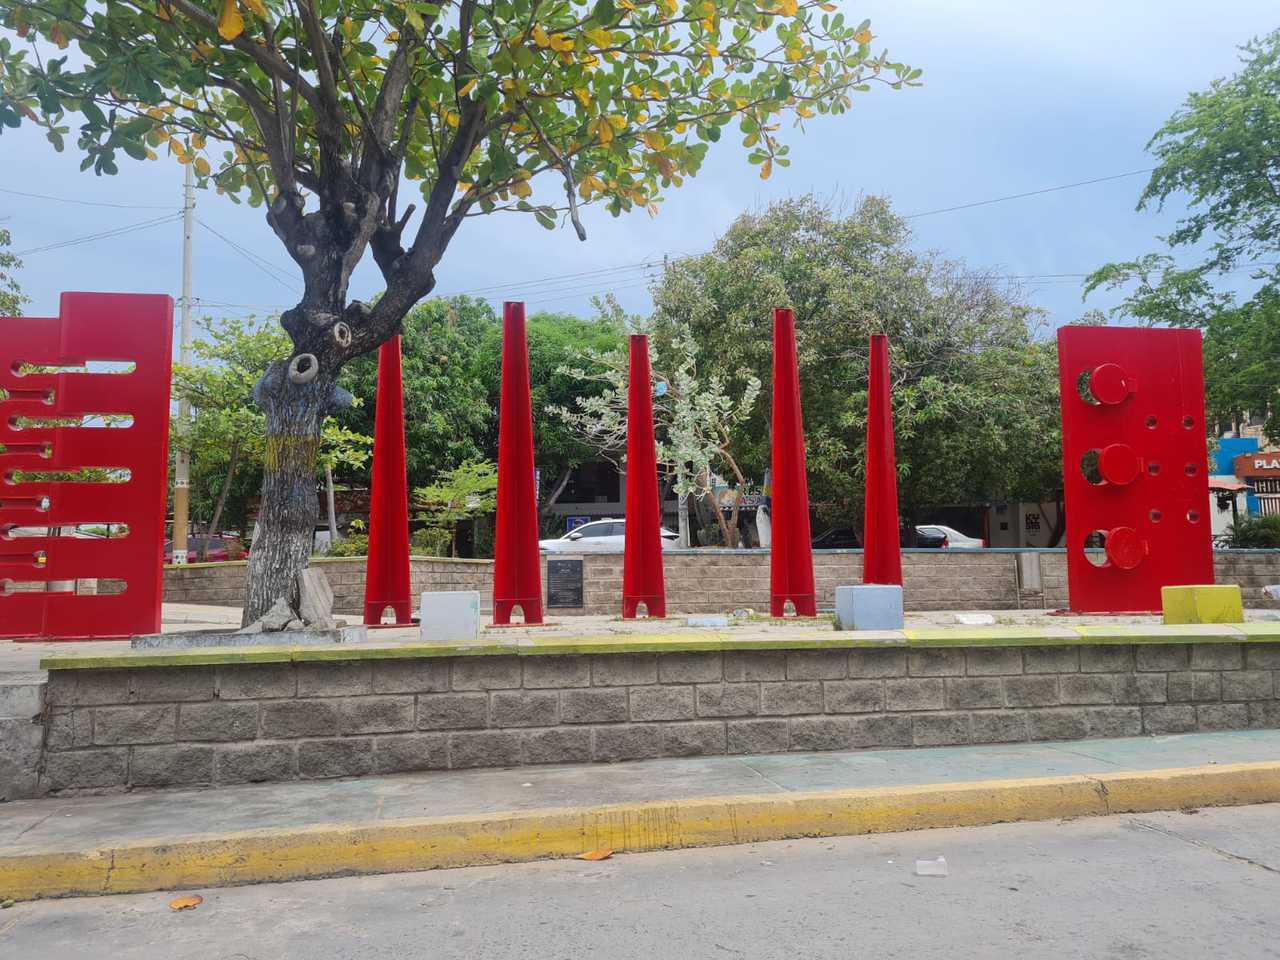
<point x="1019" y="95"/>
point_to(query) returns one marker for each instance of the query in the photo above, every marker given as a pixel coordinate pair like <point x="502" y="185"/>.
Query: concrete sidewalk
<point x="256" y="833"/>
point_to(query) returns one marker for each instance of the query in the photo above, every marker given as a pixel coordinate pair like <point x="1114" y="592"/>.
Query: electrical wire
<point x="275" y="273"/>
<point x="1029" y="193"/>
<point x="102" y="235"/>
<point x="85" y="203"/>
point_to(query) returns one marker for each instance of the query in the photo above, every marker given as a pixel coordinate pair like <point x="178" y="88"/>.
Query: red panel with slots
<point x="81" y="445"/>
<point x="1134" y="465"/>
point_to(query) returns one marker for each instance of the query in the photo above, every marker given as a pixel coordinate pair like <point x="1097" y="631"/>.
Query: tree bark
<point x="295" y="413"/>
<point x="232" y="462"/>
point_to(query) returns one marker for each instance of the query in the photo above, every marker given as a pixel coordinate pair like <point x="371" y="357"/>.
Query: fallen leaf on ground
<point x="185" y="903"/>
<point x="601" y="854"/>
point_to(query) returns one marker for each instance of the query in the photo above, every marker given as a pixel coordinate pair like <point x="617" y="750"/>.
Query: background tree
<point x="952" y="332"/>
<point x="467" y="491"/>
<point x="11" y="296"/>
<point x="320" y="110"/>
<point x="1221" y="149"/>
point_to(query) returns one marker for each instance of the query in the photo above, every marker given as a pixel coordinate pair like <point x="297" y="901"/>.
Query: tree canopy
<point x="11" y="296"/>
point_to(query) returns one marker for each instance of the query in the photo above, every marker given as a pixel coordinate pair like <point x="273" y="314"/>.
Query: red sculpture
<point x="642" y="580"/>
<point x="387" y="569"/>
<point x="67" y="422"/>
<point x="882" y="552"/>
<point x="1134" y="463"/>
<point x="517" y="573"/>
<point x="791" y="551"/>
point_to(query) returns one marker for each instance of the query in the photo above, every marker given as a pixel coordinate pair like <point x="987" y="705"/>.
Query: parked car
<point x="600" y="536"/>
<point x="839" y="538"/>
<point x="221" y="549"/>
<point x="937" y="536"/>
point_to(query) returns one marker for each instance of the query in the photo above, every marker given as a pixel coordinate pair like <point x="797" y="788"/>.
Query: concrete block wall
<point x="721" y="581"/>
<point x="167" y="726"/>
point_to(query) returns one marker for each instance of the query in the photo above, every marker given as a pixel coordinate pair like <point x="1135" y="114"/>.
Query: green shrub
<point x="1257" y="533"/>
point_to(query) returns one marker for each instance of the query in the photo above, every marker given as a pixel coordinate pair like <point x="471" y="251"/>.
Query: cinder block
<point x="335" y="758"/>
<point x="662" y="703"/>
<point x="450" y="616"/>
<point x="869" y="606"/>
<point x="1202" y="603"/>
<point x="256" y="762"/>
<point x="593" y="706"/>
<point x="521" y="708"/>
<point x="400" y="754"/>
<point x="171" y="765"/>
<point x="701" y="739"/>
<point x="560" y="745"/>
<point x="757" y="736"/>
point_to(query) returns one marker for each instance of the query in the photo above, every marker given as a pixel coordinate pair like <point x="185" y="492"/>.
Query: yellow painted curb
<point x="272" y="855"/>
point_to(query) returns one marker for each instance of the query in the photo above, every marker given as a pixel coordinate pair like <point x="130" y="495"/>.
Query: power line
<point x="85" y="203"/>
<point x="275" y="273"/>
<point x="1029" y="193"/>
<point x="103" y="235"/>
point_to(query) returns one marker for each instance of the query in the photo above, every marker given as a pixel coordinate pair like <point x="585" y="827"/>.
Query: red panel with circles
<point x="1134" y="465"/>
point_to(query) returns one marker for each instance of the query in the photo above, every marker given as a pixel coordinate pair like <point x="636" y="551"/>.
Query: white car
<point x="951" y="537"/>
<point x="599" y="536"/>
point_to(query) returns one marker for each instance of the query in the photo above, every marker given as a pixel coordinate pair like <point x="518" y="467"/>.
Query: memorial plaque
<point x="564" y="583"/>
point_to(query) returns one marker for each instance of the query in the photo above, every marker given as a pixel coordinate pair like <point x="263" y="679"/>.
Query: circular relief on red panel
<point x="1108" y="384"/>
<point x="1118" y="464"/>
<point x="1125" y="548"/>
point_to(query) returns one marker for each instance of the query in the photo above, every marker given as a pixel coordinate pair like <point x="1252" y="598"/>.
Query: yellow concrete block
<point x="1205" y="603"/>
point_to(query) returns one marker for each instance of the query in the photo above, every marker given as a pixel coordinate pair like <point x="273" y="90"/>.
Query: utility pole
<point x="182" y="456"/>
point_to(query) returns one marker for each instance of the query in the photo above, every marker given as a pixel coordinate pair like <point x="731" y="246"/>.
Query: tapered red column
<point x="387" y="568"/>
<point x="882" y="560"/>
<point x="517" y="575"/>
<point x="642" y="580"/>
<point x="791" y="551"/>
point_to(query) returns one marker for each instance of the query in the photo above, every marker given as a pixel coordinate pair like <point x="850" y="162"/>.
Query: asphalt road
<point x="1195" y="885"/>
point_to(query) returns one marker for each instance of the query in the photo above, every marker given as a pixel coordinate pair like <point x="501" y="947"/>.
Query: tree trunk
<point x="545" y="508"/>
<point x="295" y="413"/>
<point x="232" y="462"/>
<point x="333" y="513"/>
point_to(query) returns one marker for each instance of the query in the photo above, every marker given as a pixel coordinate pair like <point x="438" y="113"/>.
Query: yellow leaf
<point x="58" y="37"/>
<point x="626" y="4"/>
<point x="766" y="169"/>
<point x="804" y="112"/>
<point x="186" y="903"/>
<point x="560" y="43"/>
<point x="865" y="36"/>
<point x="467" y="87"/>
<point x="151" y="155"/>
<point x="463" y="187"/>
<point x="522" y="189"/>
<point x="600" y="37"/>
<point x="618" y="121"/>
<point x="828" y="7"/>
<point x="451" y="118"/>
<point x="540" y="36"/>
<point x="673" y="7"/>
<point x="601" y="854"/>
<point x="712" y="51"/>
<point x="258" y="8"/>
<point x="653" y="140"/>
<point x="584" y="96"/>
<point x="788" y="8"/>
<point x="202" y="166"/>
<point x="198" y="140"/>
<point x="602" y="129"/>
<point x="230" y="23"/>
<point x="635" y="91"/>
<point x="162" y="10"/>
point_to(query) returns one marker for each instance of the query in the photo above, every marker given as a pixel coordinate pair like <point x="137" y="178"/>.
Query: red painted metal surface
<point x="387" y="569"/>
<point x="1134" y="465"/>
<point x="642" y="578"/>
<point x="517" y="574"/>
<point x="882" y="557"/>
<point x="791" y="549"/>
<point x="38" y="572"/>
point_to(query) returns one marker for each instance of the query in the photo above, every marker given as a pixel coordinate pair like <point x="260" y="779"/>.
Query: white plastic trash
<point x="931" y="868"/>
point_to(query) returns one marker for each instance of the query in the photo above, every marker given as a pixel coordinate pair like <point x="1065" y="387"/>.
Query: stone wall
<point x="722" y="580"/>
<point x="162" y="726"/>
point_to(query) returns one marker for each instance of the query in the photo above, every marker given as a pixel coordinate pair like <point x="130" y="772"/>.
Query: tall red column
<point x="882" y="558"/>
<point x="387" y="568"/>
<point x="642" y="578"/>
<point x="517" y="574"/>
<point x="791" y="553"/>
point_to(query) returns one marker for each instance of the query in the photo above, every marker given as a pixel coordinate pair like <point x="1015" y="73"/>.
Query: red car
<point x="220" y="549"/>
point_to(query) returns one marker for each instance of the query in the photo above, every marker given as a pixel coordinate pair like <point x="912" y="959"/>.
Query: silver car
<point x="599" y="536"/>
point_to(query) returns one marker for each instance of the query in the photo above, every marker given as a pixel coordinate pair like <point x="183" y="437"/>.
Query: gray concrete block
<point x="756" y="736"/>
<point x="1194" y="687"/>
<point x="1262" y="656"/>
<point x="993" y="662"/>
<point x="325" y="679"/>
<point x="87" y="688"/>
<point x="914" y="694"/>
<point x="561" y="745"/>
<point x="875" y="664"/>
<point x="1031" y="691"/>
<point x="702" y="738"/>
<point x="882" y="731"/>
<point x="430" y="675"/>
<point x="1248" y="685"/>
<point x="170" y="684"/>
<point x="21" y="743"/>
<point x="450" y="616"/>
<point x="1264" y="714"/>
<point x="1066" y="724"/>
<point x="694" y="667"/>
<point x="741" y="666"/>
<point x="255" y="762"/>
<point x="728" y="700"/>
<point x="1142" y="688"/>
<point x="392" y="714"/>
<point x="559" y="672"/>
<point x="1051" y="659"/>
<point x="452" y="711"/>
<point x="623" y="669"/>
<point x="485" y="673"/>
<point x="853" y="696"/>
<point x="974" y="693"/>
<point x="631" y="741"/>
<point x="1114" y="721"/>
<point x="998" y="727"/>
<point x="1087" y="688"/>
<point x="217" y="721"/>
<point x="85" y="769"/>
<point x="817" y="664"/>
<point x="405" y="753"/>
<point x="791" y="697"/>
<point x="347" y="757"/>
<point x="594" y="706"/>
<point x="661" y="703"/>
<point x="68" y="728"/>
<point x="1217" y="656"/>
<point x="1168" y="719"/>
<point x="869" y="606"/>
<point x="171" y="764"/>
<point x="258" y="681"/>
<point x="1161" y="657"/>
<point x="940" y="729"/>
<point x="1108" y="658"/>
<point x="21" y="699"/>
<point x="315" y="599"/>
<point x="140" y="724"/>
<point x="1222" y="716"/>
<point x="202" y="639"/>
<point x="486" y="748"/>
<point x="935" y="663"/>
<point x="821" y="733"/>
<point x="300" y="718"/>
<point x="522" y="708"/>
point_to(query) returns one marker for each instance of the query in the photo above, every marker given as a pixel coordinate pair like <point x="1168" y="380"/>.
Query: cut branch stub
<point x="341" y="334"/>
<point x="304" y="368"/>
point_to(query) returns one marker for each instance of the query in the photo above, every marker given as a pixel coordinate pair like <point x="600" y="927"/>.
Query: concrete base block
<point x="1207" y="603"/>
<point x="226" y="638"/>
<point x="450" y="616"/>
<point x="869" y="606"/>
